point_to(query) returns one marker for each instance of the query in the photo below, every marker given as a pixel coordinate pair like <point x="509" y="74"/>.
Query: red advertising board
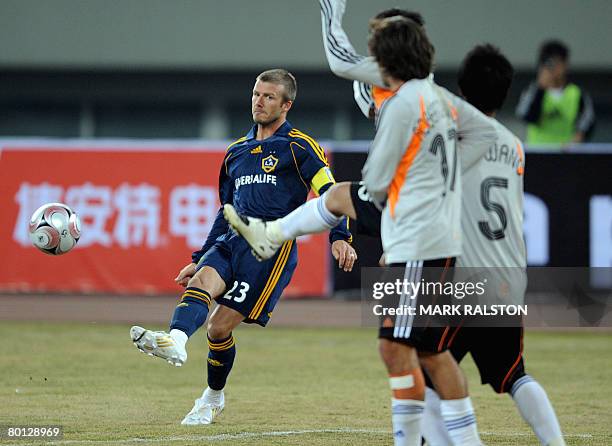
<point x="143" y="208"/>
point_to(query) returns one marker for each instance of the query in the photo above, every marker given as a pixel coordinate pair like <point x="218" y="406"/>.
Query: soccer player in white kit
<point x="412" y="174"/>
<point x="492" y="224"/>
<point x="492" y="220"/>
<point x="492" y="212"/>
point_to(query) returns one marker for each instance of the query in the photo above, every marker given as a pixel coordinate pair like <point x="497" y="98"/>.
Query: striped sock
<point x="192" y="311"/>
<point x="406" y="417"/>
<point x="460" y="421"/>
<point x="536" y="410"/>
<point x="432" y="427"/>
<point x="220" y="361"/>
<point x="407" y="406"/>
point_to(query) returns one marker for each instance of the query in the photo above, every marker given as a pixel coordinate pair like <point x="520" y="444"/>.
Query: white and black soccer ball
<point x="55" y="228"/>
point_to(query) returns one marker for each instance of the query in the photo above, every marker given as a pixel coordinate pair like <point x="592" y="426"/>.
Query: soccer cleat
<point x="255" y="231"/>
<point x="204" y="410"/>
<point x="160" y="344"/>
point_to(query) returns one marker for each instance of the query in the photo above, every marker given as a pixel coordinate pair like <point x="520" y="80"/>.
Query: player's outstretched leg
<point x="260" y="235"/>
<point x="316" y="215"/>
<point x="161" y="344"/>
<point x="189" y="315"/>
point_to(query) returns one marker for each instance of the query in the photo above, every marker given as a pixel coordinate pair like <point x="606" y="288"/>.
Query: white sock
<point x="179" y="336"/>
<point x="433" y="428"/>
<point x="536" y="410"/>
<point x="460" y="421"/>
<point x="406" y="416"/>
<point x="212" y="396"/>
<point x="310" y="218"/>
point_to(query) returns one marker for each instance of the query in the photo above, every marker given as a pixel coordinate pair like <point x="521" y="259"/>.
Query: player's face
<point x="268" y="102"/>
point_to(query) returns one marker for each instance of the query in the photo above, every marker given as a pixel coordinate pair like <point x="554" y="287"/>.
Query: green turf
<point x="91" y="380"/>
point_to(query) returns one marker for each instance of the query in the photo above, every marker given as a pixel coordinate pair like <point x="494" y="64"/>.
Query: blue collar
<point x="283" y="130"/>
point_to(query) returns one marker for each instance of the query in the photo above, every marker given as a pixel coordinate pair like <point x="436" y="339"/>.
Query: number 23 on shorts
<point x="238" y="295"/>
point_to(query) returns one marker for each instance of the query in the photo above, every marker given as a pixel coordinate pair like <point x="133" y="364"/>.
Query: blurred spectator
<point x="556" y="112"/>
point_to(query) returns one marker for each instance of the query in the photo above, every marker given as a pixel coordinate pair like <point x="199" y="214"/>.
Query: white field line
<point x="243" y="435"/>
<point x="218" y="437"/>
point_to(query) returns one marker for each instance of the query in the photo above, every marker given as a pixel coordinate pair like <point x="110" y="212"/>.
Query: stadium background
<point x="120" y="94"/>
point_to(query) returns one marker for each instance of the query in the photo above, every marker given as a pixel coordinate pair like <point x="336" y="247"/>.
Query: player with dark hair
<point x="494" y="246"/>
<point x="389" y="35"/>
<point x="484" y="78"/>
<point x="367" y="96"/>
<point x="411" y="176"/>
<point x="265" y="174"/>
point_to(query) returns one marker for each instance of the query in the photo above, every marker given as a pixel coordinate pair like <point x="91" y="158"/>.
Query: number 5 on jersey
<point x="491" y="206"/>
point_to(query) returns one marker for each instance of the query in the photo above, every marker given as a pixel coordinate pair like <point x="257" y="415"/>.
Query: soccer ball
<point x="55" y="228"/>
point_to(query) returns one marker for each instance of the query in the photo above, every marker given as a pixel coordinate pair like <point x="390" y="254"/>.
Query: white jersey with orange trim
<point x="492" y="200"/>
<point x="412" y="169"/>
<point x="492" y="220"/>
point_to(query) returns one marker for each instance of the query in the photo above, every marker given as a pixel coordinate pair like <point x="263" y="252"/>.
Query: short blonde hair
<point x="282" y="77"/>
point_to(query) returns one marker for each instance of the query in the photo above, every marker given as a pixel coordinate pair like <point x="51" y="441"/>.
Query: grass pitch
<point x="288" y="387"/>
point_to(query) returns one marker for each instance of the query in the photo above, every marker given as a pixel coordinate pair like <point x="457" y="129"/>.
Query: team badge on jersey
<point x="268" y="164"/>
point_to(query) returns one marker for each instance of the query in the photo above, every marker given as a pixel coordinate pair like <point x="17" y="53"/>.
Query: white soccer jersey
<point x="412" y="167"/>
<point x="492" y="219"/>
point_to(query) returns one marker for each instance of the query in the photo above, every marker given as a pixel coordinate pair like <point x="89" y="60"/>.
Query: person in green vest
<point x="557" y="112"/>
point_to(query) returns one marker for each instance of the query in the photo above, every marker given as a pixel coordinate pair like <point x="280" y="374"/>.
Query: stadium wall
<point x="212" y="35"/>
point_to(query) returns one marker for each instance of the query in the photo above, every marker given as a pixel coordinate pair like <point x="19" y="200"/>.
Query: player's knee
<point x="405" y="375"/>
<point x="446" y="375"/>
<point x="219" y="329"/>
<point x="408" y="385"/>
<point x="209" y="280"/>
<point x="196" y="281"/>
<point x="336" y="198"/>
<point x="395" y="356"/>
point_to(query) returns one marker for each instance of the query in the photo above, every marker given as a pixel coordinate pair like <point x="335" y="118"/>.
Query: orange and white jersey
<point x="492" y="219"/>
<point x="412" y="169"/>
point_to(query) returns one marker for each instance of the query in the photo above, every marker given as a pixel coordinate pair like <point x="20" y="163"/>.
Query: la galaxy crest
<point x="268" y="164"/>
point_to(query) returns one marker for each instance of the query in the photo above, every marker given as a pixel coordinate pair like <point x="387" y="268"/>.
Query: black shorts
<point x="368" y="215"/>
<point x="497" y="352"/>
<point x="422" y="333"/>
